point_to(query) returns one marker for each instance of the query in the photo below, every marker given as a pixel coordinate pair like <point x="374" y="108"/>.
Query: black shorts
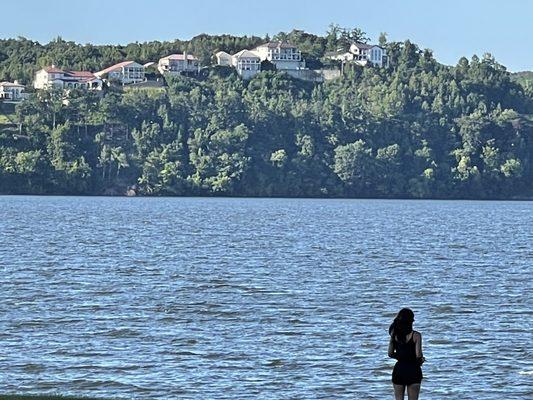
<point x="406" y="373"/>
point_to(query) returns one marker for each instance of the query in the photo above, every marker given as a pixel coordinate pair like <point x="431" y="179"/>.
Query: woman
<point x="406" y="346"/>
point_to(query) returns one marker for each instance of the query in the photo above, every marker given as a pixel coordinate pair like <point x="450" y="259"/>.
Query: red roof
<point x="190" y="57"/>
<point x="114" y="67"/>
<point x="80" y="74"/>
<point x="70" y="74"/>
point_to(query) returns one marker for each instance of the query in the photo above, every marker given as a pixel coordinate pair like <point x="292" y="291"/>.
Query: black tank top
<point x="406" y="351"/>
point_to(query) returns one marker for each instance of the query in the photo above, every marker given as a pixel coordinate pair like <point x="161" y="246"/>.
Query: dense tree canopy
<point x="417" y="129"/>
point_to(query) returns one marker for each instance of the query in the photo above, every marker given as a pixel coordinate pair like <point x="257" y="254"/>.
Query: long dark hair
<point x="402" y="324"/>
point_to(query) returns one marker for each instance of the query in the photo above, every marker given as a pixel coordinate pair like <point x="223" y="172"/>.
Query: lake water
<point x="262" y="298"/>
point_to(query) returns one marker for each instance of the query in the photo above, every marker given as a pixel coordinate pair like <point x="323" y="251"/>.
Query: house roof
<point x="274" y="45"/>
<point x="115" y="67"/>
<point x="70" y="75"/>
<point x="77" y="76"/>
<point x="190" y="57"/>
<point x="53" y="70"/>
<point x="10" y="84"/>
<point x="364" y="45"/>
<point x="222" y="53"/>
<point x="246" y="54"/>
<point x="80" y="74"/>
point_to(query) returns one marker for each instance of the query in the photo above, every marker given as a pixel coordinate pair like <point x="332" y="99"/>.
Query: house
<point x="176" y="64"/>
<point x="340" y="55"/>
<point x="224" y="59"/>
<point x="125" y="73"/>
<point x="52" y="77"/>
<point x="11" y="92"/>
<point x="362" y="54"/>
<point x="369" y="53"/>
<point x="247" y="63"/>
<point x="283" y="55"/>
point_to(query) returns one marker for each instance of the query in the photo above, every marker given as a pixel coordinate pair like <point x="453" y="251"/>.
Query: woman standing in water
<point x="406" y="346"/>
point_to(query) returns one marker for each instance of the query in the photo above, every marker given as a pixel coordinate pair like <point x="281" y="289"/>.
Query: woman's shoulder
<point x="417" y="335"/>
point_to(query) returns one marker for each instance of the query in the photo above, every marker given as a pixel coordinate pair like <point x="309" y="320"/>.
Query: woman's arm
<point x="391" y="348"/>
<point x="418" y="348"/>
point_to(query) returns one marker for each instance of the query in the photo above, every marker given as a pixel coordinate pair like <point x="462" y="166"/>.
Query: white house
<point x="11" y="92"/>
<point x="176" y="64"/>
<point x="125" y="72"/>
<point x="50" y="77"/>
<point x="340" y="55"/>
<point x="362" y="54"/>
<point x="224" y="59"/>
<point x="283" y="55"/>
<point x="369" y="53"/>
<point x="247" y="63"/>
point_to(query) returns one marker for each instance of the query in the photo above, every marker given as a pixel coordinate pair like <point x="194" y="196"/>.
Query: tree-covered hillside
<point x="525" y="78"/>
<point x="416" y="129"/>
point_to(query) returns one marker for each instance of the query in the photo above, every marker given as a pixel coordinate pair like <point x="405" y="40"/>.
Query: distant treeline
<point x="416" y="129"/>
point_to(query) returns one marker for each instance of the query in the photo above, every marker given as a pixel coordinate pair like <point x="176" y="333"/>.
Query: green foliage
<point x="354" y="164"/>
<point x="416" y="129"/>
<point x="525" y="78"/>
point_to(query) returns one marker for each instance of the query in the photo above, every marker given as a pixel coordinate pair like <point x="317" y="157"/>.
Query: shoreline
<point x="190" y="196"/>
<point x="47" y="397"/>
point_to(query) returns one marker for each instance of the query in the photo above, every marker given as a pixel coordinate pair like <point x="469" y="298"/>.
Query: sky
<point x="450" y="28"/>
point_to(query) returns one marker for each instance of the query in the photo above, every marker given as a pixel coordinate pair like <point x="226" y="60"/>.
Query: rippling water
<point x="256" y="298"/>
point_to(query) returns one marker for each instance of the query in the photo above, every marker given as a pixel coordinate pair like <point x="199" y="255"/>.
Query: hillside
<point x="524" y="77"/>
<point x="416" y="129"/>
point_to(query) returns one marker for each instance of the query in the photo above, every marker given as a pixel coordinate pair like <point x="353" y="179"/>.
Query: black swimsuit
<point x="407" y="370"/>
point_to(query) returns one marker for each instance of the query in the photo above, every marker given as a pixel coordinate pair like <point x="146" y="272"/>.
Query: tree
<point x="355" y="166"/>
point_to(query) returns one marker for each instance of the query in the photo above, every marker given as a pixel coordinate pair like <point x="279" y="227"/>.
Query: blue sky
<point x="450" y="28"/>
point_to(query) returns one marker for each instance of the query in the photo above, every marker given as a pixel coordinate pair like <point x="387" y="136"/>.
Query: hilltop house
<point x="50" y="77"/>
<point x="125" y="72"/>
<point x="283" y="55"/>
<point x="11" y="92"/>
<point x="368" y="53"/>
<point x="224" y="59"/>
<point x="362" y="54"/>
<point x="247" y="64"/>
<point x="176" y="64"/>
<point x="340" y="55"/>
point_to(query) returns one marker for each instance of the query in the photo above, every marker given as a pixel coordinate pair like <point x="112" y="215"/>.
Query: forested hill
<point x="525" y="78"/>
<point x="416" y="129"/>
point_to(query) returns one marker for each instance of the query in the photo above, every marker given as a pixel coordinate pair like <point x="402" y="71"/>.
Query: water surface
<point x="262" y="298"/>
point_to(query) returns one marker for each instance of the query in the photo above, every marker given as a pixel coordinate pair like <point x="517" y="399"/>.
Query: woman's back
<point x="405" y="345"/>
<point x="406" y="351"/>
